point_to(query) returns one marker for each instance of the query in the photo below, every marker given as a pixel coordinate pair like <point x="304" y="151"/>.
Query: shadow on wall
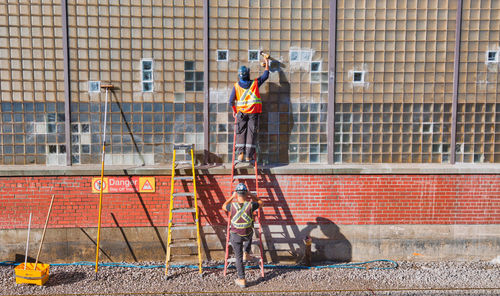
<point x="211" y="197"/>
<point x="327" y="241"/>
<point x="283" y="238"/>
<point x="276" y="121"/>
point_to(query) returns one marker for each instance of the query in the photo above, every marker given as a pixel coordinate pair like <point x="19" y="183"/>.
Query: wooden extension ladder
<point x="183" y="225"/>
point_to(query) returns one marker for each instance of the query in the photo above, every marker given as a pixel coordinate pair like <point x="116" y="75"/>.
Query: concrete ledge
<point x="282" y="243"/>
<point x="290" y="169"/>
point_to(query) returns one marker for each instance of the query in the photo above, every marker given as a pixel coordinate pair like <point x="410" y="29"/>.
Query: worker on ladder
<point x="241" y="205"/>
<point x="247" y="105"/>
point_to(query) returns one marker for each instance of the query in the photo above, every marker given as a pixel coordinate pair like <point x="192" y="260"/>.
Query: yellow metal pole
<point x="107" y="87"/>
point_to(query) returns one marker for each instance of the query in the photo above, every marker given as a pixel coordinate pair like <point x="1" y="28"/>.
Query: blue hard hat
<point x="244" y="73"/>
<point x="241" y="188"/>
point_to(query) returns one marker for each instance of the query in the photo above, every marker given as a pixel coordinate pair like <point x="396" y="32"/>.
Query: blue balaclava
<point x="244" y="73"/>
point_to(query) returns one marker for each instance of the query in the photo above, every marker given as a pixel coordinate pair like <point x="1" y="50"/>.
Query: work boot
<point x="240" y="157"/>
<point x="240" y="283"/>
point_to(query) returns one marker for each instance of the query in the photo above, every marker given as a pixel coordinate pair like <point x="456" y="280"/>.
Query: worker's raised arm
<point x="228" y="201"/>
<point x="256" y="199"/>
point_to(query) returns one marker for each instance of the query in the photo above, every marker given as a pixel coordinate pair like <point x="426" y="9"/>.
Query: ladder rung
<point x="182" y="227"/>
<point x="250" y="177"/>
<point x="236" y="161"/>
<point x="184" y="244"/>
<point x="183" y="178"/>
<point x="183" y="162"/>
<point x="184" y="210"/>
<point x="182" y="147"/>
<point x="183" y="194"/>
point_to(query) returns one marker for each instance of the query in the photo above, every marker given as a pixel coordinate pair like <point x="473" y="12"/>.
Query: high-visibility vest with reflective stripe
<point x="241" y="218"/>
<point x="248" y="100"/>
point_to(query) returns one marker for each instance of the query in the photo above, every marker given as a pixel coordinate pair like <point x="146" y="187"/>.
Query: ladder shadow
<point x="281" y="218"/>
<point x="211" y="198"/>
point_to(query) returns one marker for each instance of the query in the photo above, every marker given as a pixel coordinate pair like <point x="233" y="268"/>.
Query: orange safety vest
<point x="248" y="100"/>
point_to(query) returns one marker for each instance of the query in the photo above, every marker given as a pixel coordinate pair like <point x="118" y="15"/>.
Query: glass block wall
<point x="478" y="113"/>
<point x="295" y="33"/>
<point x="31" y="82"/>
<point x="150" y="110"/>
<point x="394" y="79"/>
<point x="398" y="107"/>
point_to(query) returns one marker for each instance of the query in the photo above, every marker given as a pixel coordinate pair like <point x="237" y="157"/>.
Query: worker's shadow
<point x="276" y="121"/>
<point x="328" y="243"/>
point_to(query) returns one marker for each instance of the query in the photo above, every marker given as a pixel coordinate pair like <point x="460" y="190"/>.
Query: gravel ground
<point x="410" y="278"/>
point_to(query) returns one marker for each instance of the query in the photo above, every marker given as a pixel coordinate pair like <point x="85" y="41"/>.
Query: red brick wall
<point x="291" y="199"/>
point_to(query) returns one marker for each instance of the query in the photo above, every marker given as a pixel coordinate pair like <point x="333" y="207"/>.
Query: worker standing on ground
<point x="241" y="205"/>
<point x="247" y="105"/>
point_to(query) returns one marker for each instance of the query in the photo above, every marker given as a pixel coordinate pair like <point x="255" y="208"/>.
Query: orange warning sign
<point x="124" y="184"/>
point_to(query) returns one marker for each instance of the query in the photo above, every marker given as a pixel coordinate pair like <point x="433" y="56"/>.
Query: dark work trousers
<point x="246" y="133"/>
<point x="240" y="244"/>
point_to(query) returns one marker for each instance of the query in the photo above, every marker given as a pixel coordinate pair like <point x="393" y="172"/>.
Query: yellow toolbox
<point x="31" y="276"/>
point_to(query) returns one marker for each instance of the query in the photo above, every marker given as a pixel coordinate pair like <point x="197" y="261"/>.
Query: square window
<point x="253" y="55"/>
<point x="199" y="76"/>
<point x="147" y="76"/>
<point x="305" y="55"/>
<point x="147" y="65"/>
<point x="315" y="77"/>
<point x="315" y="66"/>
<point x="359" y="76"/>
<point x="147" y="87"/>
<point x="222" y="55"/>
<point x="85" y="128"/>
<point x="492" y="56"/>
<point x="294" y="56"/>
<point x="75" y="159"/>
<point x="188" y="76"/>
<point x="427" y="128"/>
<point x="188" y="65"/>
<point x="94" y="86"/>
<point x="189" y="86"/>
<point x="86" y="149"/>
<point x="199" y="86"/>
<point x="52" y="149"/>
